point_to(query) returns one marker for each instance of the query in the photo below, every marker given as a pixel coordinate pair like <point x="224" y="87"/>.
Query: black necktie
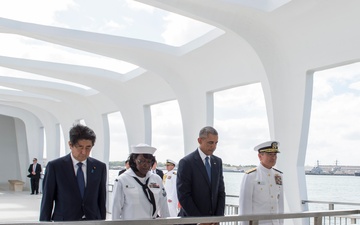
<point x="148" y="193"/>
<point x="208" y="168"/>
<point x="80" y="179"/>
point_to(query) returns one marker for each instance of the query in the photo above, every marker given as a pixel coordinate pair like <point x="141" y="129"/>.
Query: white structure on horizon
<point x="279" y="44"/>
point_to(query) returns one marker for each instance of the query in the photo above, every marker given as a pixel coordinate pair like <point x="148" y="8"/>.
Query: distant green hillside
<point x="114" y="165"/>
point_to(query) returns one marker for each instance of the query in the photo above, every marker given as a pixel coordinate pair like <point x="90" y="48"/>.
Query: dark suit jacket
<point x="121" y="172"/>
<point x="37" y="171"/>
<point x="160" y="173"/>
<point x="197" y="196"/>
<point x="60" y="190"/>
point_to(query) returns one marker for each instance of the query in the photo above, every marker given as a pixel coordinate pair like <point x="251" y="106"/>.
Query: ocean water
<point x="319" y="188"/>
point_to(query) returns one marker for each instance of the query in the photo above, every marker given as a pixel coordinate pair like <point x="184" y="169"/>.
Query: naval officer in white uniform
<point x="262" y="187"/>
<point x="138" y="193"/>
<point x="170" y="187"/>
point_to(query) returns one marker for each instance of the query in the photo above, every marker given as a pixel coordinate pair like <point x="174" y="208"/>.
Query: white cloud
<point x="334" y="132"/>
<point x="119" y="150"/>
<point x="39" y="11"/>
<point x="167" y="131"/>
<point x="137" y="6"/>
<point x="179" y="30"/>
<point x="113" y="25"/>
<point x="355" y="86"/>
<point x="240" y="118"/>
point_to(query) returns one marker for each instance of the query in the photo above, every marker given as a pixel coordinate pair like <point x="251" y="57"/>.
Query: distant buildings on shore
<point x="336" y="169"/>
<point x="333" y="170"/>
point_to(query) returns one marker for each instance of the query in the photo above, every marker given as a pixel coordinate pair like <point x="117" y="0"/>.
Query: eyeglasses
<point x="143" y="162"/>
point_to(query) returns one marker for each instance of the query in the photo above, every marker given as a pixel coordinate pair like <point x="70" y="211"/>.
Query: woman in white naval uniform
<point x="138" y="193"/>
<point x="261" y="189"/>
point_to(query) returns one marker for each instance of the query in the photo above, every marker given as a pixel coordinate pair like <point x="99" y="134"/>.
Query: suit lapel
<point x="89" y="166"/>
<point x="214" y="170"/>
<point x="200" y="164"/>
<point x="90" y="175"/>
<point x="69" y="166"/>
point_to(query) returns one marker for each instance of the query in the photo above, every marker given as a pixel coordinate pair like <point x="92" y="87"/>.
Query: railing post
<point x="254" y="222"/>
<point x="236" y="210"/>
<point x="353" y="220"/>
<point x="331" y="206"/>
<point x="318" y="220"/>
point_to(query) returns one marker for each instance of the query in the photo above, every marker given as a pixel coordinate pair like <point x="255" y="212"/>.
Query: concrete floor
<point x="19" y="206"/>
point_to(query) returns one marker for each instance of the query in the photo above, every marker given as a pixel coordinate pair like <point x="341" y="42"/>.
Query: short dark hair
<point x="133" y="157"/>
<point x="204" y="132"/>
<point x="81" y="132"/>
<point x="153" y="161"/>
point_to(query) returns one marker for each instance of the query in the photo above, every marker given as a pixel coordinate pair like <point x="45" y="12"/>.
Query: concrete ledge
<point x="16" y="185"/>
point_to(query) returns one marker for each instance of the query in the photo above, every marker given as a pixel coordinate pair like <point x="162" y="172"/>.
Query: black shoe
<point x="32" y="193"/>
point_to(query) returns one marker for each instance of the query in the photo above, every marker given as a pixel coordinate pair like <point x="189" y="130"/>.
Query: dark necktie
<point x="208" y="168"/>
<point x="148" y="193"/>
<point x="80" y="179"/>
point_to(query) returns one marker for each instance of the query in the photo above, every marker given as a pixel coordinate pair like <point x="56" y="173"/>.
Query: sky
<point x="240" y="115"/>
<point x="240" y="118"/>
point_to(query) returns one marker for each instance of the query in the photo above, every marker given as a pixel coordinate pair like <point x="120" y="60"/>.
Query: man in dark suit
<point x="155" y="170"/>
<point x="127" y="166"/>
<point x="35" y="171"/>
<point x="74" y="186"/>
<point x="200" y="181"/>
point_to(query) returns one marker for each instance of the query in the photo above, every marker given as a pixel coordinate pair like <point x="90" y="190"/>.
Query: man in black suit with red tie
<point x="35" y="171"/>
<point x="75" y="185"/>
<point x="200" y="181"/>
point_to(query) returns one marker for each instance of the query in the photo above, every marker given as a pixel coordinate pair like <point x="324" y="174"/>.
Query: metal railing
<point x="254" y="219"/>
<point x="337" y="220"/>
<point x="330" y="204"/>
<point x="331" y="217"/>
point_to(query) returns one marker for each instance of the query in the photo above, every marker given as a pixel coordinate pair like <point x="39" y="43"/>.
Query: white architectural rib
<point x="279" y="46"/>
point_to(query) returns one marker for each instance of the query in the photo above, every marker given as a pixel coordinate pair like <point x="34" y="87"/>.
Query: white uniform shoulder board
<point x="251" y="170"/>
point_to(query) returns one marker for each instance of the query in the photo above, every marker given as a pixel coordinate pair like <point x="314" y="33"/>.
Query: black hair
<point x="81" y="132"/>
<point x="204" y="132"/>
<point x="153" y="161"/>
<point x="133" y="157"/>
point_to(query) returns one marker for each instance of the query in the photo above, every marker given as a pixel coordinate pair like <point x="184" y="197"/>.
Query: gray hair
<point x="204" y="132"/>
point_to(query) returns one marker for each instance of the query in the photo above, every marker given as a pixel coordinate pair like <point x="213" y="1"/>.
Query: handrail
<point x="233" y="196"/>
<point x="317" y="215"/>
<point x="326" y="202"/>
<point x="331" y="204"/>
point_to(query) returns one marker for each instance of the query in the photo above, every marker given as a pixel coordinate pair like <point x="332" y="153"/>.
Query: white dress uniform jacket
<point x="170" y="187"/>
<point x="262" y="193"/>
<point x="130" y="202"/>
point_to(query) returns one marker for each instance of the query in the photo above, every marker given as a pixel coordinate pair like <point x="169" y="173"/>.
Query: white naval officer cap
<point x="269" y="146"/>
<point x="169" y="161"/>
<point x="143" y="149"/>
